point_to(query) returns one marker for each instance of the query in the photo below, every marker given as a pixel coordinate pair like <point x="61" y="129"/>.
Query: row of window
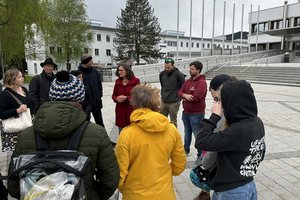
<point x="85" y="50"/>
<point x="174" y="44"/>
<point x="108" y="52"/>
<point x="98" y="36"/>
<point x="273" y="25"/>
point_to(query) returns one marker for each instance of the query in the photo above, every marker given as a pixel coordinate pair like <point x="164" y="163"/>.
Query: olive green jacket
<point x="55" y="121"/>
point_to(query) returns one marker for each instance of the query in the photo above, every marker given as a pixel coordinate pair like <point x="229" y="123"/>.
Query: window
<point x="197" y="45"/>
<point x="114" y="39"/>
<point x="52" y="50"/>
<point x="227" y="46"/>
<point x="276" y="24"/>
<point x="208" y="45"/>
<point x="187" y="44"/>
<point x="108" y="52"/>
<point x="59" y="50"/>
<point x="181" y="44"/>
<point x="96" y="52"/>
<point x="203" y="45"/>
<point x="192" y="44"/>
<point x="99" y="37"/>
<point x="86" y="50"/>
<point x="107" y="38"/>
<point x="297" y="21"/>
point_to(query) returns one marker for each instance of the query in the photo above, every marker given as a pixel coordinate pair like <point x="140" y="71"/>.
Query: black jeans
<point x="97" y="114"/>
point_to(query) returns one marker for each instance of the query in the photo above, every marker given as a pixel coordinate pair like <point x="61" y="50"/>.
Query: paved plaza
<point x="278" y="176"/>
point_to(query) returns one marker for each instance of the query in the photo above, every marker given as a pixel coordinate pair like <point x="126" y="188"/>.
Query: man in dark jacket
<point x="40" y="84"/>
<point x="171" y="80"/>
<point x="56" y="121"/>
<point x="240" y="146"/>
<point x="91" y="80"/>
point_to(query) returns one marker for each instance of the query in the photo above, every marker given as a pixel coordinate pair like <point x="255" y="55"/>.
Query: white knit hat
<point x="66" y="87"/>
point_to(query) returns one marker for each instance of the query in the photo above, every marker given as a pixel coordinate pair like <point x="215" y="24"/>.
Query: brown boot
<point x="203" y="196"/>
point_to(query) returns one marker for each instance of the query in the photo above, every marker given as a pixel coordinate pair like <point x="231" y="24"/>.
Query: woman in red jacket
<point x="121" y="94"/>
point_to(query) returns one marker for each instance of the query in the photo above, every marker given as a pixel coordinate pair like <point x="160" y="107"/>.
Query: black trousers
<point x="97" y="114"/>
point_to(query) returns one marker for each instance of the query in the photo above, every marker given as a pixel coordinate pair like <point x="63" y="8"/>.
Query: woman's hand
<point x="217" y="108"/>
<point x="22" y="109"/>
<point x="121" y="98"/>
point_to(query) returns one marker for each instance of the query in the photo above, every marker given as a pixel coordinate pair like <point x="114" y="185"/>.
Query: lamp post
<point x="131" y="53"/>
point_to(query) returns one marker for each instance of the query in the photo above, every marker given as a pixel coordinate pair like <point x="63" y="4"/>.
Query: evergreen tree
<point x="137" y="32"/>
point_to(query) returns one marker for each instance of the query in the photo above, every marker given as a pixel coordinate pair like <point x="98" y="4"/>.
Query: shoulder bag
<point x="19" y="123"/>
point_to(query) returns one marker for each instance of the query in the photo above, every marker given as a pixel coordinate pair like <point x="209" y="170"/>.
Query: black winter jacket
<point x="170" y="84"/>
<point x="39" y="89"/>
<point x="91" y="79"/>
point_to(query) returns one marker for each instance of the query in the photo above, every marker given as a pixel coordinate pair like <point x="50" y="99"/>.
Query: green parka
<point x="55" y="121"/>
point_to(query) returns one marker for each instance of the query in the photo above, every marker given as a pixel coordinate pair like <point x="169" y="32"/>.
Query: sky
<point x="166" y="12"/>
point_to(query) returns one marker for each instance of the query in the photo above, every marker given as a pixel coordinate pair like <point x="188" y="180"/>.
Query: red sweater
<point x="197" y="88"/>
<point x="123" y="110"/>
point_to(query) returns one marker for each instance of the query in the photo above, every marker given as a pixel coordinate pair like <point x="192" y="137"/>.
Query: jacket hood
<point x="201" y="76"/>
<point x="238" y="101"/>
<point x="148" y="120"/>
<point x="56" y="119"/>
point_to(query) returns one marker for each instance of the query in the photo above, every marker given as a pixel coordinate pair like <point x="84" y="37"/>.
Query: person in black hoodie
<point x="240" y="146"/>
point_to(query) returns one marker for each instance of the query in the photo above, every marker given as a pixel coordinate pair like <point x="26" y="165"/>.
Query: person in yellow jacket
<point x="149" y="151"/>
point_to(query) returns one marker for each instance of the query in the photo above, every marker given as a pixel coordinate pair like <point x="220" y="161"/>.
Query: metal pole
<point x="213" y="32"/>
<point x="250" y="29"/>
<point x="284" y="24"/>
<point x="232" y="36"/>
<point x="224" y="14"/>
<point x="190" y="45"/>
<point x="242" y="29"/>
<point x="257" y="27"/>
<point x="177" y="29"/>
<point x="202" y="28"/>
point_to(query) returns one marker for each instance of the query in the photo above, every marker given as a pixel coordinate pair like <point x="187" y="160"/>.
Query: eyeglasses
<point x="121" y="70"/>
<point x="169" y="60"/>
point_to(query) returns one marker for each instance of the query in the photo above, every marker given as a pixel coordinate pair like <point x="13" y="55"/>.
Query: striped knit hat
<point x="66" y="87"/>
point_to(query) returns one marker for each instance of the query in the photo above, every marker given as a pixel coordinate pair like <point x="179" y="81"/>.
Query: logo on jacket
<point x="251" y="162"/>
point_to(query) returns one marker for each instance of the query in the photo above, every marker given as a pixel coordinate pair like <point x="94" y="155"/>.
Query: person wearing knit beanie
<point x="66" y="87"/>
<point x="85" y="59"/>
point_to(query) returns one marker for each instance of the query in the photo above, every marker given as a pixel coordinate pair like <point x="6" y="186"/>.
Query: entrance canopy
<point x="291" y="32"/>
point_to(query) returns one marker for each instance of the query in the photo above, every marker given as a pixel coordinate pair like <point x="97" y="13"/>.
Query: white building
<point x="278" y="28"/>
<point x="103" y="51"/>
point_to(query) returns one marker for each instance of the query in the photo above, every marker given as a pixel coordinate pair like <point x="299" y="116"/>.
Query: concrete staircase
<point x="279" y="74"/>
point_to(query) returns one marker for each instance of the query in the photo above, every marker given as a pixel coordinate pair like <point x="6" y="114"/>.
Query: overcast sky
<point x="165" y="10"/>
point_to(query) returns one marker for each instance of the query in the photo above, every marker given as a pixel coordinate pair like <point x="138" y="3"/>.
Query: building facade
<point x="102" y="48"/>
<point x="275" y="28"/>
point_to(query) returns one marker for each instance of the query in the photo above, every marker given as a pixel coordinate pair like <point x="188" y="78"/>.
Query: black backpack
<point x="52" y="174"/>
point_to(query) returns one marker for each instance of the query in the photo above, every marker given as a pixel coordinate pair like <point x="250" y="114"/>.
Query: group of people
<point x="149" y="150"/>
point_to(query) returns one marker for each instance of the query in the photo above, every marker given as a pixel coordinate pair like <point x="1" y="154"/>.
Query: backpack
<point x="52" y="174"/>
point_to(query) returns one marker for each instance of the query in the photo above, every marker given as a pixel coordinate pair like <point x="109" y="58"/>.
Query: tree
<point x="16" y="17"/>
<point x="137" y="32"/>
<point x="68" y="30"/>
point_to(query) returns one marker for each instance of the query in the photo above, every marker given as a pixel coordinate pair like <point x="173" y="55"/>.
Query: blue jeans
<point x="245" y="192"/>
<point x="191" y="124"/>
